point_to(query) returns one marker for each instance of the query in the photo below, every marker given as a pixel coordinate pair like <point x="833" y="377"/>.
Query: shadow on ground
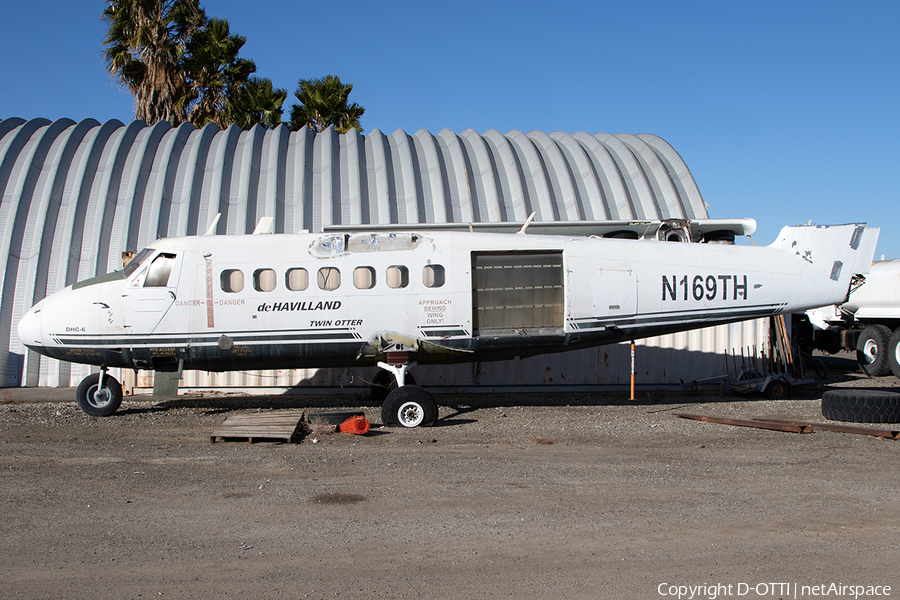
<point x="842" y="372"/>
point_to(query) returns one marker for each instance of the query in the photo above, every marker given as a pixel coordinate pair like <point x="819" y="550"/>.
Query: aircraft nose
<point x="30" y="327"/>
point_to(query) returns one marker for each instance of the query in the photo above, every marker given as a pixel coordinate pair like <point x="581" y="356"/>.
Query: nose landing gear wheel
<point x="409" y="406"/>
<point x="99" y="401"/>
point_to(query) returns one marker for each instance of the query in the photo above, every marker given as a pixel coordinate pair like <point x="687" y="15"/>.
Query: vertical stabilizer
<point x="838" y="251"/>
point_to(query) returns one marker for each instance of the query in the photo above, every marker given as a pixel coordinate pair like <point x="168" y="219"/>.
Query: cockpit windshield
<point x="135" y="262"/>
<point x="125" y="273"/>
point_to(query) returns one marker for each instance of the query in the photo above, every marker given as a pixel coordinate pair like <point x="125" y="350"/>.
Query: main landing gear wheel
<point x="99" y="401"/>
<point x="409" y="406"/>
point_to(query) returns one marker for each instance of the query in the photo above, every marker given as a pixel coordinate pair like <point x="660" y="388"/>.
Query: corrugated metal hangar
<point x="78" y="194"/>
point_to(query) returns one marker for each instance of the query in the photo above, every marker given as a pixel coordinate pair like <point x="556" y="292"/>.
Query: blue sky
<point x="787" y="111"/>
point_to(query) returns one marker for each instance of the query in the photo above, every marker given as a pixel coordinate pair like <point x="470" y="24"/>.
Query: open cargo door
<point x="517" y="291"/>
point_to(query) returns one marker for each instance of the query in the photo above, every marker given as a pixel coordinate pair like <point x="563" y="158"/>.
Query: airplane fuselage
<point x="223" y="303"/>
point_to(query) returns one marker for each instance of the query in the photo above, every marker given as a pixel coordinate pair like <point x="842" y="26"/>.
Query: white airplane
<point x="395" y="296"/>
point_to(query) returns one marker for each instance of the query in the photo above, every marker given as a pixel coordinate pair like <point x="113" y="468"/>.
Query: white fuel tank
<point x="879" y="296"/>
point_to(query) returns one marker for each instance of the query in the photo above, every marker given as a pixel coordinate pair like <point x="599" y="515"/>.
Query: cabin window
<point x="297" y="279"/>
<point x="264" y="280"/>
<point x="160" y="269"/>
<point x="329" y="278"/>
<point x="364" y="278"/>
<point x="397" y="277"/>
<point x="433" y="276"/>
<point x="232" y="281"/>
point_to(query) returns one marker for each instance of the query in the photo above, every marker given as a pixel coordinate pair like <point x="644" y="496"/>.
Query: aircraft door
<point x="514" y="291"/>
<point x="151" y="292"/>
<point x="615" y="293"/>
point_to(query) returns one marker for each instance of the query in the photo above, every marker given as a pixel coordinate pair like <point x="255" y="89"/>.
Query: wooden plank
<point x="281" y="426"/>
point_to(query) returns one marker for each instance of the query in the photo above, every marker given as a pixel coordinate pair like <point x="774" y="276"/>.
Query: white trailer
<point x="868" y="322"/>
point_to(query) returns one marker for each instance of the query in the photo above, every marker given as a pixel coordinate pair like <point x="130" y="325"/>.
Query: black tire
<point x="385" y="382"/>
<point x="409" y="406"/>
<point x="333" y="417"/>
<point x="99" y="402"/>
<point x="872" y="350"/>
<point x="894" y="353"/>
<point x="861" y="406"/>
<point x="777" y="390"/>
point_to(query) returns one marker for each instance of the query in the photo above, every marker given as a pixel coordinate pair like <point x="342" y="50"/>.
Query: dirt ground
<point x="510" y="496"/>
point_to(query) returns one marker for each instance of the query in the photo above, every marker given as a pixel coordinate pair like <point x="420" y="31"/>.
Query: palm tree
<point x="214" y="73"/>
<point x="258" y="102"/>
<point x="145" y="43"/>
<point x="323" y="104"/>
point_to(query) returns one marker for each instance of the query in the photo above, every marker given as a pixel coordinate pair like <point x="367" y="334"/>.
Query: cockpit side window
<point x="160" y="269"/>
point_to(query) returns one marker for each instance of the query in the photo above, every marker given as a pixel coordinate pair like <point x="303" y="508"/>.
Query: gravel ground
<point x="511" y="496"/>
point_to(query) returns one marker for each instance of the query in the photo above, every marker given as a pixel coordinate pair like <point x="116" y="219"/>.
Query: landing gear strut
<point x="407" y="405"/>
<point x="99" y="394"/>
<point x="385" y="382"/>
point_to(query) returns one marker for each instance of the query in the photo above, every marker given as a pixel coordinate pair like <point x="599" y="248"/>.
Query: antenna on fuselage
<point x="526" y="223"/>
<point x="264" y="226"/>
<point x="212" y="227"/>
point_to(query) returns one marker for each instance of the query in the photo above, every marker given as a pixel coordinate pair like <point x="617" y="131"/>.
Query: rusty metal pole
<point x="632" y="369"/>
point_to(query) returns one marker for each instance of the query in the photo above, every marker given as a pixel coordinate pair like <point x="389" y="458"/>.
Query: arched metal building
<point x="75" y="195"/>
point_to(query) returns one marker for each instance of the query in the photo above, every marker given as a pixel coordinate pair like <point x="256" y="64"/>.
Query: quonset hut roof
<point x="76" y="195"/>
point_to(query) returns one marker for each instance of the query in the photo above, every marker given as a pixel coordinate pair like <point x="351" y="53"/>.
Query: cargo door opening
<point x="518" y="292"/>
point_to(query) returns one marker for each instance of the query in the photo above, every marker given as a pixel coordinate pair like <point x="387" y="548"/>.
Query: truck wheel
<point x="409" y="406"/>
<point x="894" y="353"/>
<point x="861" y="406"/>
<point x="97" y="401"/>
<point x="872" y="350"/>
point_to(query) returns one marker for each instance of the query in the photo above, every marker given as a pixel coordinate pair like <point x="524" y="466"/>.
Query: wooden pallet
<point x="256" y="427"/>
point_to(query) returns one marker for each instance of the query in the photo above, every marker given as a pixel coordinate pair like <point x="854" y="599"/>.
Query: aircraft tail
<point x="836" y="251"/>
